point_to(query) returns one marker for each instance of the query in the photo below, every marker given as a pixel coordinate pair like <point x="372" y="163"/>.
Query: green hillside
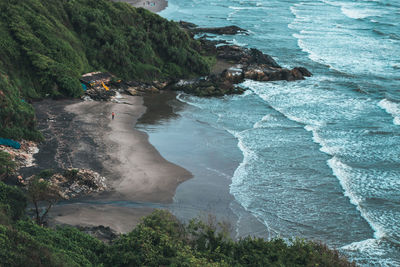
<point x="159" y="240"/>
<point x="45" y="45"/>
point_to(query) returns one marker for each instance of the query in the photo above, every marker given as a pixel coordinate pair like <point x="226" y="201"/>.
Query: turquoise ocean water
<point x="320" y="157"/>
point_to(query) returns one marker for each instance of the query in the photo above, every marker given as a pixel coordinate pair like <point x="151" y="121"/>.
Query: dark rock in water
<point x="187" y="25"/>
<point x="256" y="56"/>
<point x="242" y="63"/>
<point x="210" y="46"/>
<point x="213" y="85"/>
<point x="229" y="30"/>
<point x="266" y="73"/>
<point x="237" y="54"/>
<point x="231" y="53"/>
<point x="305" y="72"/>
<point x="103" y="233"/>
<point x="246" y="64"/>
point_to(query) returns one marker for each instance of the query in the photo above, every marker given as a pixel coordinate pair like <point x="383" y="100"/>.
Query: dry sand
<point x="152" y="5"/>
<point x="143" y="174"/>
<point x="119" y="219"/>
<point x="135" y="170"/>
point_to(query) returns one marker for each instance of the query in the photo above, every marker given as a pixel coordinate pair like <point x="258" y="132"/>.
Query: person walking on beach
<point x="112" y="115"/>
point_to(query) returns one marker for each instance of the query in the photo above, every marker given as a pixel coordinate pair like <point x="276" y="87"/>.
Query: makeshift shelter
<point x="94" y="79"/>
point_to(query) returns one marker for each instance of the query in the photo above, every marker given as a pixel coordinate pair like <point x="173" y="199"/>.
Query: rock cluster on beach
<point x="139" y="88"/>
<point x="99" y="94"/>
<point x="135" y="88"/>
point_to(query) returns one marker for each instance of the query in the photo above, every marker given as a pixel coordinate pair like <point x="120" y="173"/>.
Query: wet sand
<point x="119" y="219"/>
<point x="210" y="154"/>
<point x="81" y="134"/>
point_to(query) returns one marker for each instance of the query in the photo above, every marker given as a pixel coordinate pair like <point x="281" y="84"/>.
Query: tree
<point x="12" y="201"/>
<point x="42" y="192"/>
<point x="7" y="165"/>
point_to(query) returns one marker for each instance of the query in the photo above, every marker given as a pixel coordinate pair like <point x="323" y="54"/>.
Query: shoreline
<point x="82" y="134"/>
<point x="210" y="154"/>
<point x="154" y="6"/>
<point x="139" y="172"/>
<point x="139" y="178"/>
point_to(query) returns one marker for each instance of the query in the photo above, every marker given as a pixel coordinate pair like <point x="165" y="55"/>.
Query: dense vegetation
<point x="45" y="46"/>
<point x="7" y="165"/>
<point x="160" y="240"/>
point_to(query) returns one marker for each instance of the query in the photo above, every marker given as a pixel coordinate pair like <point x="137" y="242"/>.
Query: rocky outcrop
<point x="210" y="46"/>
<point x="245" y="64"/>
<point x="213" y="85"/>
<point x="266" y="73"/>
<point x="140" y="88"/>
<point x="240" y="55"/>
<point x="187" y="25"/>
<point x="100" y="94"/>
<point x="228" y="30"/>
<point x="234" y="65"/>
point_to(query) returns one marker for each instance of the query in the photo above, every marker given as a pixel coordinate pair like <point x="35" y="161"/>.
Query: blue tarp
<point x="84" y="87"/>
<point x="9" y="142"/>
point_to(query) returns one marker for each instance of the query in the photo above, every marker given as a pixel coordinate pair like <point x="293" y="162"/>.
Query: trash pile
<point x="73" y="183"/>
<point x="97" y="85"/>
<point x="23" y="156"/>
<point x="99" y="94"/>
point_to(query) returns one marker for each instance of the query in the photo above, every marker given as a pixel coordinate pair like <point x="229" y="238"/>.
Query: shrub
<point x="46" y="174"/>
<point x="7" y="165"/>
<point x="12" y="201"/>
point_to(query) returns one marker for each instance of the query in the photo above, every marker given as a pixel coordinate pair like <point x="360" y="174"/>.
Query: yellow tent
<point x="105" y="87"/>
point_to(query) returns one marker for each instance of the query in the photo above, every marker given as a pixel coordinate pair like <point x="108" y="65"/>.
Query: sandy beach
<point x="81" y="134"/>
<point x="139" y="173"/>
<point x="152" y="5"/>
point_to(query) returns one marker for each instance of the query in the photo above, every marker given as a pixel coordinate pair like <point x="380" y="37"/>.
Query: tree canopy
<point x="159" y="240"/>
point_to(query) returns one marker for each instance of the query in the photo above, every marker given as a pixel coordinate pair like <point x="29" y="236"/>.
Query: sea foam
<point x="392" y="108"/>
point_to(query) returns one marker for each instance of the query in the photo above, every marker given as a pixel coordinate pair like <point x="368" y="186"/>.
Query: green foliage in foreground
<point x="46" y="45"/>
<point x="12" y="203"/>
<point x="17" y="118"/>
<point x="7" y="165"/>
<point x="159" y="240"/>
